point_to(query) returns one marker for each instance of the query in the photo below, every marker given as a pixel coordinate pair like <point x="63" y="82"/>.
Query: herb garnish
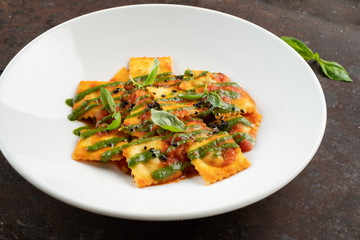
<point x="109" y="104"/>
<point x="332" y="70"/>
<point x="167" y="121"/>
<point x="150" y="78"/>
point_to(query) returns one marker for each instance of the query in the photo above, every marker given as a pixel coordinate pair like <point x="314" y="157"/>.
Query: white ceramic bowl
<point x="37" y="140"/>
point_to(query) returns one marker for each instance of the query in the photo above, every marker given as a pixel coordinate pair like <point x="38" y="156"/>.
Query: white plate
<point x="37" y="140"/>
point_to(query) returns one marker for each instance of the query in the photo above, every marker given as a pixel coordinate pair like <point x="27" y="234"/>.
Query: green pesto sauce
<point x="165" y="172"/>
<point x="201" y="139"/>
<point x="81" y="95"/>
<point x="197" y="153"/>
<point x="239" y="137"/>
<point x="229" y="94"/>
<point x="181" y="108"/>
<point x="69" y="102"/>
<point x="105" y="143"/>
<point x="74" y="115"/>
<point x="162" y="79"/>
<point x="142" y="97"/>
<point x="203" y="74"/>
<point x="226" y="108"/>
<point x="106" y="156"/>
<point x="173" y="99"/>
<point x="144" y="77"/>
<point x="234" y="121"/>
<point x="136" y="114"/>
<point x="227" y="84"/>
<point x="217" y="149"/>
<point x="141" y="105"/>
<point x="77" y="131"/>
<point x="104" y="119"/>
<point x="91" y="132"/>
<point x="160" y="75"/>
<point x="143" y="157"/>
<point x="149" y="134"/>
<point x="204" y="114"/>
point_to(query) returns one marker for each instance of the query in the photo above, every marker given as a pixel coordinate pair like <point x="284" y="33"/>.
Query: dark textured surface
<point x="323" y="202"/>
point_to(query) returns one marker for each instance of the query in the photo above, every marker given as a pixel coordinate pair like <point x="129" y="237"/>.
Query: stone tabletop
<point x="322" y="202"/>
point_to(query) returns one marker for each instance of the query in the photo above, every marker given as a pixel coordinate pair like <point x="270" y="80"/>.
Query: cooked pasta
<point x="161" y="127"/>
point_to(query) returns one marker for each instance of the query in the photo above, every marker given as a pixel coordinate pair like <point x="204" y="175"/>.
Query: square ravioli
<point x="160" y="127"/>
<point x="148" y="162"/>
<point x="217" y="157"/>
<point x="93" y="146"/>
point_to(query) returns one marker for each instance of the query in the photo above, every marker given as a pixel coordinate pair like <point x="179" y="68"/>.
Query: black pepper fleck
<point x="163" y="95"/>
<point x="174" y="91"/>
<point x="116" y="90"/>
<point x="145" y="147"/>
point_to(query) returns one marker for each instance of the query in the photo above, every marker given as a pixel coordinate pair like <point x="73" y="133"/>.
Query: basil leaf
<point x="151" y="77"/>
<point x="167" y="121"/>
<point x="334" y="71"/>
<point x="214" y="99"/>
<point x="300" y="47"/>
<point x="107" y="100"/>
<point x="135" y="83"/>
<point x="115" y="123"/>
<point x="191" y="96"/>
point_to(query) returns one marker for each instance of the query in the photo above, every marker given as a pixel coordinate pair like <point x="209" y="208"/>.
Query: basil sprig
<point x="137" y="85"/>
<point x="109" y="104"/>
<point x="332" y="70"/>
<point x="107" y="100"/>
<point x="116" y="122"/>
<point x="150" y="78"/>
<point x="167" y="121"/>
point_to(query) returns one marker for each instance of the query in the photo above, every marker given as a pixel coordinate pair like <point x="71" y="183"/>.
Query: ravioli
<point x="141" y="66"/>
<point x="146" y="157"/>
<point x="92" y="147"/>
<point x="88" y="106"/>
<point x="205" y="123"/>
